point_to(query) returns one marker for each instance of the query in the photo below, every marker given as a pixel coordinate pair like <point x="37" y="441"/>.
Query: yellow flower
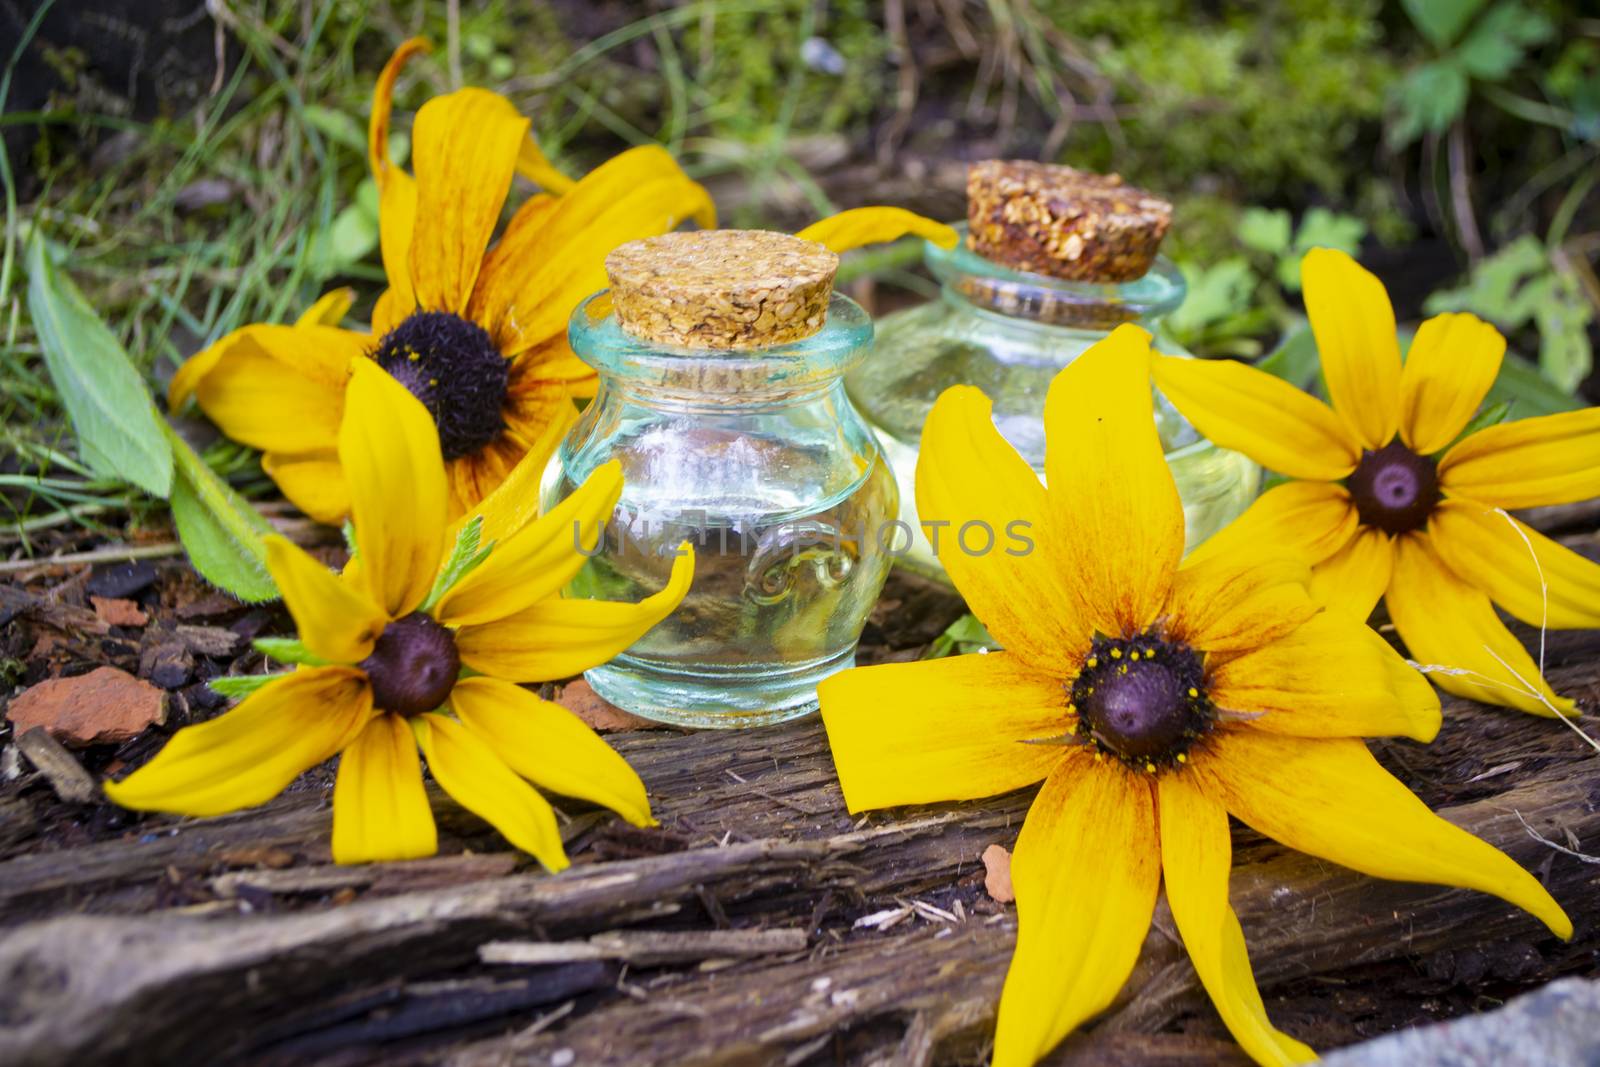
<point x="1152" y="700"/>
<point x="1377" y="509"/>
<point x="386" y="641"/>
<point x="478" y="336"/>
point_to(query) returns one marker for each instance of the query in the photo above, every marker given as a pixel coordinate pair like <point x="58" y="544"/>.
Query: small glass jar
<point x="1009" y="333"/>
<point x="758" y="459"/>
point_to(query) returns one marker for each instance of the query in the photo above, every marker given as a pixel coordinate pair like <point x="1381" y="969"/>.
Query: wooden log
<point x="96" y="989"/>
<point x="755" y="835"/>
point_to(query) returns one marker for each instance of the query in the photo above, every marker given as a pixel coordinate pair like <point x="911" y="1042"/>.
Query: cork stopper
<point x="722" y="288"/>
<point x="1061" y="222"/>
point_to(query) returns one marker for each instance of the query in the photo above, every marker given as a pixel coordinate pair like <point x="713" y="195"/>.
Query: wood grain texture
<point x="233" y="941"/>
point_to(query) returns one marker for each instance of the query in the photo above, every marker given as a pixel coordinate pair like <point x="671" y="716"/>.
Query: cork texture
<point x="1061" y="222"/>
<point x="722" y="288"/>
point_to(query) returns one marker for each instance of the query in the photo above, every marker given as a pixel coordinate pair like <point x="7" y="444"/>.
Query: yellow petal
<point x="514" y="502"/>
<point x="603" y="188"/>
<point x="943" y="729"/>
<point x="558" y="256"/>
<point x="535" y="166"/>
<point x="1453" y="361"/>
<point x="389" y="449"/>
<point x="1113" y="507"/>
<point x="334" y="619"/>
<point x="1234" y="603"/>
<point x="330" y="308"/>
<point x="556" y="638"/>
<point x="1085" y="870"/>
<point x="550" y="746"/>
<point x="537" y="560"/>
<point x="1538" y="580"/>
<point x="1330" y="798"/>
<point x="1553" y="459"/>
<point x="874" y="225"/>
<point x="1332" y="677"/>
<point x="248" y="755"/>
<point x="568" y="270"/>
<point x="397" y="224"/>
<point x="383" y="106"/>
<point x="1196" y="857"/>
<point x="969" y="478"/>
<point x="277" y="388"/>
<point x="1352" y="580"/>
<point x="1354" y="326"/>
<point x="1248" y="410"/>
<point x="477" y="779"/>
<point x="313" y="481"/>
<point x="1310" y="519"/>
<point x="380" y="809"/>
<point x="1448" y="624"/>
<point x="508" y="265"/>
<point x="466" y="148"/>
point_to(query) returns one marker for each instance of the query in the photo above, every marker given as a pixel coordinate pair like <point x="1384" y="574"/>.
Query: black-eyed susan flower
<point x="1390" y="501"/>
<point x="413" y="648"/>
<point x="1152" y="699"/>
<point x="477" y="333"/>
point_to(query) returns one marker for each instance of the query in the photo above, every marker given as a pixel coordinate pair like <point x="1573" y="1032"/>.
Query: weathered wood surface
<point x="234" y="940"/>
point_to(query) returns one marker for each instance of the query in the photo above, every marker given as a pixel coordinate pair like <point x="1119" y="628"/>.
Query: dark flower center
<point x="1394" y="489"/>
<point x="1142" y="699"/>
<point x="413" y="666"/>
<point x="452" y="366"/>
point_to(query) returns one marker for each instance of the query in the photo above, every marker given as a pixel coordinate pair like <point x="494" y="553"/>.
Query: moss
<point x="1269" y="100"/>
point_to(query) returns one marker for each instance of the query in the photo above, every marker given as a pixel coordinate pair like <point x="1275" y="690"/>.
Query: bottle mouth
<point x="720" y="376"/>
<point x="1052" y="301"/>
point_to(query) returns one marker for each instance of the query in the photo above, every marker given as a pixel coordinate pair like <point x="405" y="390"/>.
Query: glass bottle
<point x="1008" y="332"/>
<point x="751" y="452"/>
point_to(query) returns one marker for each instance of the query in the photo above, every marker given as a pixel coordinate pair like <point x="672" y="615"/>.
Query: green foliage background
<point x="1455" y="143"/>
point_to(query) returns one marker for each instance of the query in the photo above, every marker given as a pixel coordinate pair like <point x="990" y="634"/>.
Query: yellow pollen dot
<point x="1093" y="662"/>
<point x="413" y="357"/>
<point x="1116" y="653"/>
<point x="1134" y="655"/>
<point x="1182" y="758"/>
<point x="1072" y="709"/>
<point x="1099" y="757"/>
<point x="433" y="381"/>
<point x="1193" y="692"/>
<point x="1150" y="768"/>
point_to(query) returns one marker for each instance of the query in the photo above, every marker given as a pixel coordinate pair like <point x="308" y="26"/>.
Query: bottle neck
<point x="1035" y="300"/>
<point x="718" y="396"/>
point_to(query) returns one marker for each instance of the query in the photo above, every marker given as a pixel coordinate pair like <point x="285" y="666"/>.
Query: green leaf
<point x="1520" y="285"/>
<point x="1489" y="416"/>
<point x="1527" y="391"/>
<point x="351" y="236"/>
<point x="219" y="529"/>
<point x="238" y="686"/>
<point x="1441" y="21"/>
<point x="1215" y="293"/>
<point x="1498" y="42"/>
<point x="964" y="636"/>
<point x="464" y="558"/>
<point x="119" y="432"/>
<point x="288" y="650"/>
<point x="340" y="126"/>
<point x="1265" y="231"/>
<point x="1320" y="228"/>
<point x="1562" y="314"/>
<point x="1428" y="99"/>
<point x="1295" y="359"/>
<point x="1497" y="288"/>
